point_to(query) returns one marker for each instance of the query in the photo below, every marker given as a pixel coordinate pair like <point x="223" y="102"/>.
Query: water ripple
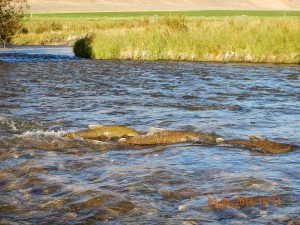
<point x="46" y="179"/>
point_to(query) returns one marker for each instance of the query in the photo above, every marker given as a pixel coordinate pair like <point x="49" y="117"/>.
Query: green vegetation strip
<point x="271" y="40"/>
<point x="172" y="37"/>
<point x="201" y="13"/>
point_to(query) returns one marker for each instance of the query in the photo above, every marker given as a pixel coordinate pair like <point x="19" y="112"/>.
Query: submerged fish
<point x="261" y="144"/>
<point x="169" y="137"/>
<point x="103" y="133"/>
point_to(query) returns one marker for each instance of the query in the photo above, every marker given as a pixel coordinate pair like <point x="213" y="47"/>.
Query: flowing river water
<point x="45" y="179"/>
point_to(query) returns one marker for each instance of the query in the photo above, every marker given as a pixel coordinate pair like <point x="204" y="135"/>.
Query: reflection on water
<point x="46" y="179"/>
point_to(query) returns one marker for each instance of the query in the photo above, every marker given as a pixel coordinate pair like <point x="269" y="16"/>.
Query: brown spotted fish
<point x="261" y="144"/>
<point x="168" y="137"/>
<point x="103" y="133"/>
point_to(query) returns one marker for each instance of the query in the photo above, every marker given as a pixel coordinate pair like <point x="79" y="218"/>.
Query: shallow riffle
<point x="47" y="179"/>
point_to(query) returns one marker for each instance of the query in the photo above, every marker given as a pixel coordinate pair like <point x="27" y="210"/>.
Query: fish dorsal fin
<point x="94" y="126"/>
<point x="257" y="138"/>
<point x="153" y="130"/>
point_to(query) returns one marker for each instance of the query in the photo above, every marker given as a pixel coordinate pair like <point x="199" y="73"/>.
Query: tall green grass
<point x="242" y="39"/>
<point x="172" y="37"/>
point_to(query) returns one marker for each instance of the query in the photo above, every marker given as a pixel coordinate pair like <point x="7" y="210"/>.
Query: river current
<point x="45" y="179"/>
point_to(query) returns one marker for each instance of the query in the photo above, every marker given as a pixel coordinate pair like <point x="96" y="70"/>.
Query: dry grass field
<point x="137" y="5"/>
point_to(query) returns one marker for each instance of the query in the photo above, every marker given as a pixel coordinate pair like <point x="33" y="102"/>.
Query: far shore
<point x="207" y="36"/>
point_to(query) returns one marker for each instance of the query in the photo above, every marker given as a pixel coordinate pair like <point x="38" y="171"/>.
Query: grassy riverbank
<point x="173" y="38"/>
<point x="195" y="38"/>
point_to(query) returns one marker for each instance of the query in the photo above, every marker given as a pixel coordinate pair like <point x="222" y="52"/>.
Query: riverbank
<point x="272" y="40"/>
<point x="218" y="39"/>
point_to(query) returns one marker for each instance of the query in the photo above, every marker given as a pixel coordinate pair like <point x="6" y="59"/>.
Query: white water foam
<point x="40" y="133"/>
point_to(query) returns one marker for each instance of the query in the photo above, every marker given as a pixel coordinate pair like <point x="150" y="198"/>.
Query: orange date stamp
<point x="245" y="201"/>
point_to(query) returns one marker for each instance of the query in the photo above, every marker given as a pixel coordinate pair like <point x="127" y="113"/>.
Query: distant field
<point x="202" y="13"/>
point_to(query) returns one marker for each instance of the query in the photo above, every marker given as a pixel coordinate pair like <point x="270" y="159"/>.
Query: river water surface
<point x="44" y="179"/>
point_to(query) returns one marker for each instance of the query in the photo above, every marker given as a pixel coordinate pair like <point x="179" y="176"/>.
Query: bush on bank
<point x="83" y="47"/>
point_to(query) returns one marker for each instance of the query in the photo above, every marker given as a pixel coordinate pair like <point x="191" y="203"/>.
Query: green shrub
<point x="11" y="14"/>
<point x="83" y="47"/>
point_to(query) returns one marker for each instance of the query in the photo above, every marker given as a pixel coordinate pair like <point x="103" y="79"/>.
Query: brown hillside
<point x="132" y="5"/>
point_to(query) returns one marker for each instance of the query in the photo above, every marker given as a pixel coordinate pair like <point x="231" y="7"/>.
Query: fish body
<point x="263" y="145"/>
<point x="103" y="133"/>
<point x="168" y="137"/>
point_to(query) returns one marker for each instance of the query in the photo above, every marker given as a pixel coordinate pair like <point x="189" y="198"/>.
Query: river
<point x="45" y="179"/>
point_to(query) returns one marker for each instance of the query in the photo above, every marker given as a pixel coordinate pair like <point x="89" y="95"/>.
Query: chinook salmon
<point x="261" y="144"/>
<point x="103" y="133"/>
<point x="169" y="137"/>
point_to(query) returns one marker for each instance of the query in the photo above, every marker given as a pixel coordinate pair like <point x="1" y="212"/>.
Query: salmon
<point x="169" y="137"/>
<point x="262" y="145"/>
<point x="103" y="133"/>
